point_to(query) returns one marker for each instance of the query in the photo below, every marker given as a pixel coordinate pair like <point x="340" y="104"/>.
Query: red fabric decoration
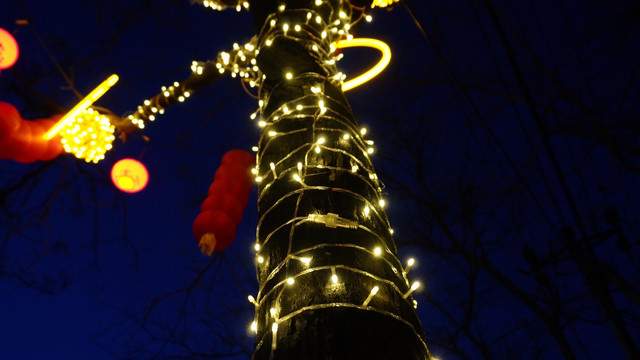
<point x="54" y="146"/>
<point x="21" y="140"/>
<point x="239" y="157"/>
<point x="221" y="211"/>
<point x="225" y="203"/>
<point x="217" y="223"/>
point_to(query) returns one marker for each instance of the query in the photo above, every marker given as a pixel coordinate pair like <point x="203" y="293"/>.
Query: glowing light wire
<point x="84" y="104"/>
<point x="375" y="70"/>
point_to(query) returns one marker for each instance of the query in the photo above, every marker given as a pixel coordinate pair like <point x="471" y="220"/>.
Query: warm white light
<point x="254" y="327"/>
<point x="377" y="251"/>
<point x="260" y="259"/>
<point x="334" y="278"/>
<point x="305" y="260"/>
<point x="373" y="292"/>
<point x="290" y="281"/>
<point x="289" y="76"/>
<point x="83" y="105"/>
<point x="382" y="203"/>
<point x="346" y="136"/>
<point x="376" y="69"/>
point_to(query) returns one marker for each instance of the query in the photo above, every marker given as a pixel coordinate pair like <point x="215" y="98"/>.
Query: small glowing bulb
<point x="274" y="327"/>
<point x="415" y="285"/>
<point x="299" y="166"/>
<point x="273" y="312"/>
<point x="321" y="140"/>
<point x="377" y="251"/>
<point x="305" y="260"/>
<point x="346" y="136"/>
<point x="411" y="261"/>
<point x="290" y="281"/>
<point x="363" y="131"/>
<point x="366" y="210"/>
<point x="262" y="123"/>
<point x="318" y="149"/>
<point x="285" y="27"/>
<point x="334" y="278"/>
<point x="257" y="247"/>
<point x="297" y="28"/>
<point x="382" y="203"/>
<point x="259" y="179"/>
<point x="375" y="290"/>
<point x="370" y="150"/>
<point x="289" y="76"/>
<point x="254" y="327"/>
<point x="254" y="148"/>
<point x="260" y="259"/>
<point x="272" y="133"/>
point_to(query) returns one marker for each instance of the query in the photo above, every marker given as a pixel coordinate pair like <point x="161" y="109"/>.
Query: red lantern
<point x="214" y="230"/>
<point x="54" y="146"/>
<point x="9" y="120"/>
<point x="225" y="203"/>
<point x="8" y="49"/>
<point x="238" y="157"/>
<point x="18" y="143"/>
<point x="221" y="211"/>
<point x="230" y="187"/>
<point x="129" y="175"/>
<point x="37" y="144"/>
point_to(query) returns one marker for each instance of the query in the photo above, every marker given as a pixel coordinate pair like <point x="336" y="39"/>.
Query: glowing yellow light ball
<point x="88" y="136"/>
<point x="8" y="50"/>
<point x="129" y="175"/>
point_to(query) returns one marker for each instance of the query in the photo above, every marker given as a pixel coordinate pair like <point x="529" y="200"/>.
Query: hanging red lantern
<point x="37" y="144"/>
<point x="225" y="203"/>
<point x="129" y="175"/>
<point x="214" y="230"/>
<point x="238" y="157"/>
<point x="237" y="173"/>
<point x="8" y="49"/>
<point x="9" y="120"/>
<point x="18" y="142"/>
<point x="231" y="187"/>
<point x="54" y="146"/>
<point x="221" y="211"/>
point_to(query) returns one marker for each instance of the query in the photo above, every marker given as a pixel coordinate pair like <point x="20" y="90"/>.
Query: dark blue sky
<point x="466" y="135"/>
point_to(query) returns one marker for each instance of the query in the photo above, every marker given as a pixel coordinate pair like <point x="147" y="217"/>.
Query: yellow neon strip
<point x="371" y="73"/>
<point x="82" y="105"/>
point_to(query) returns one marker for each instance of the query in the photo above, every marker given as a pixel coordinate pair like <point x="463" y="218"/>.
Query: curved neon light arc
<point x="375" y="70"/>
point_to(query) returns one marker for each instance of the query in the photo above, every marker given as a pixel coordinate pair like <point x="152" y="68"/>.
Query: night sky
<point x="87" y="271"/>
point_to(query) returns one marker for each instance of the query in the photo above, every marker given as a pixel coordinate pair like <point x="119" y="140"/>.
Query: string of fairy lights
<point x="330" y="134"/>
<point x="326" y="153"/>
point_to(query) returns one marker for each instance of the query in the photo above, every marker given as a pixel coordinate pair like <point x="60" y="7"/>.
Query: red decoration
<point x="8" y="49"/>
<point x="129" y="175"/>
<point x="22" y="140"/>
<point x="221" y="211"/>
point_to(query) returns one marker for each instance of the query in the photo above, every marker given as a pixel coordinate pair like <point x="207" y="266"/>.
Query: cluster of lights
<point x="334" y="136"/>
<point x="88" y="136"/>
<point x="221" y="5"/>
<point x="240" y="61"/>
<point x="383" y="3"/>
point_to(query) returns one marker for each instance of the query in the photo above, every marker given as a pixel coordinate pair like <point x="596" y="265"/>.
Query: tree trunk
<point x="324" y="238"/>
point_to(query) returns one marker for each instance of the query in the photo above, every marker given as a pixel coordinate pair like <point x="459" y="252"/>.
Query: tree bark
<point x="321" y="223"/>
